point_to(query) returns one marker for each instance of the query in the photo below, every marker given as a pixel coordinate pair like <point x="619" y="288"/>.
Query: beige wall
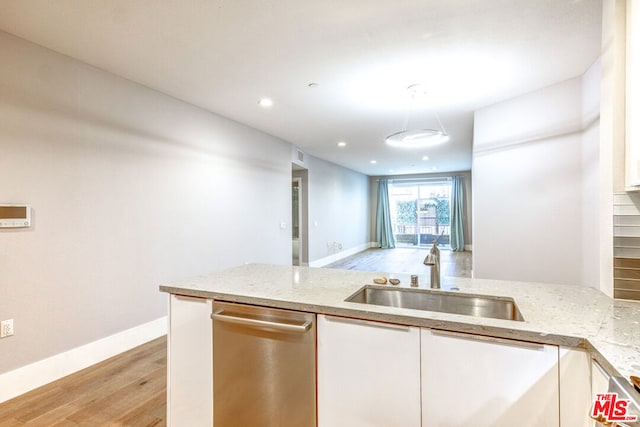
<point x="130" y="189"/>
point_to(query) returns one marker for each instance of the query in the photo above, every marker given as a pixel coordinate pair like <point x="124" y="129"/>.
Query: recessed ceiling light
<point x="373" y="162"/>
<point x="425" y="157"/>
<point x="265" y="102"/>
<point x="312" y="85"/>
<point x="342" y="144"/>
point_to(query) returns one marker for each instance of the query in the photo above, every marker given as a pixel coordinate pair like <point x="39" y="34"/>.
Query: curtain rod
<point x="441" y="178"/>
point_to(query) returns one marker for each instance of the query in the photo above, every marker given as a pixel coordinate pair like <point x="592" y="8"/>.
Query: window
<point x="421" y="211"/>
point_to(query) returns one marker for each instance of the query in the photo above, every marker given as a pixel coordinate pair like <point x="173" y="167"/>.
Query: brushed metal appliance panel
<point x="264" y="366"/>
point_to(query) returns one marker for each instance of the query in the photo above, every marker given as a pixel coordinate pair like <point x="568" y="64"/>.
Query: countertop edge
<point x="568" y="316"/>
<point x="407" y="320"/>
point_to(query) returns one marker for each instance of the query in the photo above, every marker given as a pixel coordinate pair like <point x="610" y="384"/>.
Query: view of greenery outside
<point x="407" y="212"/>
<point x="443" y="212"/>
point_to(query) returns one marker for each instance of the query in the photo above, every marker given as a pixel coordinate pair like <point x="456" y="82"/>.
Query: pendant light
<point x="417" y="138"/>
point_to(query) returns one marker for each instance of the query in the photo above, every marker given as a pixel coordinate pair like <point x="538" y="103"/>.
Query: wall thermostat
<point x="14" y="216"/>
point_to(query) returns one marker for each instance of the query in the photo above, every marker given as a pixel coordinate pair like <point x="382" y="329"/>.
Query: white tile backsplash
<point x="626" y="252"/>
<point x="626" y="245"/>
<point x="626" y="231"/>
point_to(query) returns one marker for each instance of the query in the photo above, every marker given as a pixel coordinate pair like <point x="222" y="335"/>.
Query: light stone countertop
<point x="572" y="316"/>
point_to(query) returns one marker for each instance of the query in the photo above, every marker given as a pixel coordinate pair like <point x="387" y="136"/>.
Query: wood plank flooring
<point x="126" y="390"/>
<point x="406" y="260"/>
<point x="130" y="389"/>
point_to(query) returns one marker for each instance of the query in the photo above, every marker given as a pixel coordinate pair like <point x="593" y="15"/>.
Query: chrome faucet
<point x="433" y="260"/>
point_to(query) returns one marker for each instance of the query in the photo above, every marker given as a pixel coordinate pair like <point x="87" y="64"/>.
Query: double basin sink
<point x="440" y="301"/>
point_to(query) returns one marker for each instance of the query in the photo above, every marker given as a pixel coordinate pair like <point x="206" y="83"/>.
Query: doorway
<point x="299" y="215"/>
<point x="421" y="211"/>
<point x="296" y="220"/>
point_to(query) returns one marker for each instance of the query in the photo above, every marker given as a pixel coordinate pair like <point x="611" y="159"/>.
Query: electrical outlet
<point x="6" y="328"/>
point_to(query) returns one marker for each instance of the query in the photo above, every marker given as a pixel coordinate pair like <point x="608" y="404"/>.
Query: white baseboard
<point x="468" y="248"/>
<point x="342" y="254"/>
<point x="29" y="377"/>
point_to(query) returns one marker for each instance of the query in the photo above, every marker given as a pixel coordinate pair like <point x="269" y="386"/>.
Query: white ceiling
<point x="223" y="55"/>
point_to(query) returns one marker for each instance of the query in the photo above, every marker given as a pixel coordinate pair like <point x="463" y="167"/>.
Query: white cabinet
<point x="632" y="120"/>
<point x="368" y="373"/>
<point x="575" y="388"/>
<point x="599" y="379"/>
<point x="476" y="381"/>
<point x="372" y="374"/>
<point x="190" y="378"/>
<point x="599" y="383"/>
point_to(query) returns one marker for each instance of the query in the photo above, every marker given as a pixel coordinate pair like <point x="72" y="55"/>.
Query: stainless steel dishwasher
<point x="264" y="366"/>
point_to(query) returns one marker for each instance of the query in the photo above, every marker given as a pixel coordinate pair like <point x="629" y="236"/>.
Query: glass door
<point x="421" y="212"/>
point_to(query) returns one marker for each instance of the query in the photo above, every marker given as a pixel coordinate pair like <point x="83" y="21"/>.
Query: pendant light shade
<point x="417" y="138"/>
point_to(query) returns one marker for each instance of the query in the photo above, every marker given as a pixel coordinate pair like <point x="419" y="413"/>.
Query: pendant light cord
<point x="444" y="131"/>
<point x="409" y="109"/>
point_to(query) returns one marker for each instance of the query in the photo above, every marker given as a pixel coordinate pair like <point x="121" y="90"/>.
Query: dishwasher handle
<point x="246" y="321"/>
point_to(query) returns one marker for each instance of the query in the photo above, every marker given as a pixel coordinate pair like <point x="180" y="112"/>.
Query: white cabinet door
<point x="190" y="378"/>
<point x="476" y="381"/>
<point x="599" y="379"/>
<point x="368" y="373"/>
<point x="632" y="150"/>
<point x="575" y="388"/>
<point x="599" y="383"/>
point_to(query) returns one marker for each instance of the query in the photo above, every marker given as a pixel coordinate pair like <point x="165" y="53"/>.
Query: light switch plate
<point x="6" y="328"/>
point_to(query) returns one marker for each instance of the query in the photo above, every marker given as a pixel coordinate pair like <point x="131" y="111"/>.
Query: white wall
<point x="338" y="210"/>
<point x="130" y="189"/>
<point x="534" y="159"/>
<point x="591" y="167"/>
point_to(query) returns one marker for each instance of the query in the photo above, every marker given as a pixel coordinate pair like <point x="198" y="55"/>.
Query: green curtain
<point x="384" y="230"/>
<point x="457" y="214"/>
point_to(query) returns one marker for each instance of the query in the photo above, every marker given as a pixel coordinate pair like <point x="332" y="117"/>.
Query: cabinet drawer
<point x="368" y="373"/>
<point x="469" y="380"/>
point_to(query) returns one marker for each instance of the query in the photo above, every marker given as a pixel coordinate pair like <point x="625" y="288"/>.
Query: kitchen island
<point x="569" y="317"/>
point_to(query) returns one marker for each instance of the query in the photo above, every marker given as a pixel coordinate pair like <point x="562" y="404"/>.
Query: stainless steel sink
<point x="441" y="301"/>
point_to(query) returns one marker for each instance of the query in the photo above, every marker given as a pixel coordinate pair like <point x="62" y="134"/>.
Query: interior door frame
<point x="298" y="181"/>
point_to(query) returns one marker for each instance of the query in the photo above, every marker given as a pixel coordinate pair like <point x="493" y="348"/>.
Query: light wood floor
<point x="130" y="389"/>
<point x="407" y="260"/>
<point x="126" y="390"/>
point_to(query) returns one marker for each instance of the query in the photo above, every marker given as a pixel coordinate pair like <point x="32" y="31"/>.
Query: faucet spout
<point x="433" y="260"/>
